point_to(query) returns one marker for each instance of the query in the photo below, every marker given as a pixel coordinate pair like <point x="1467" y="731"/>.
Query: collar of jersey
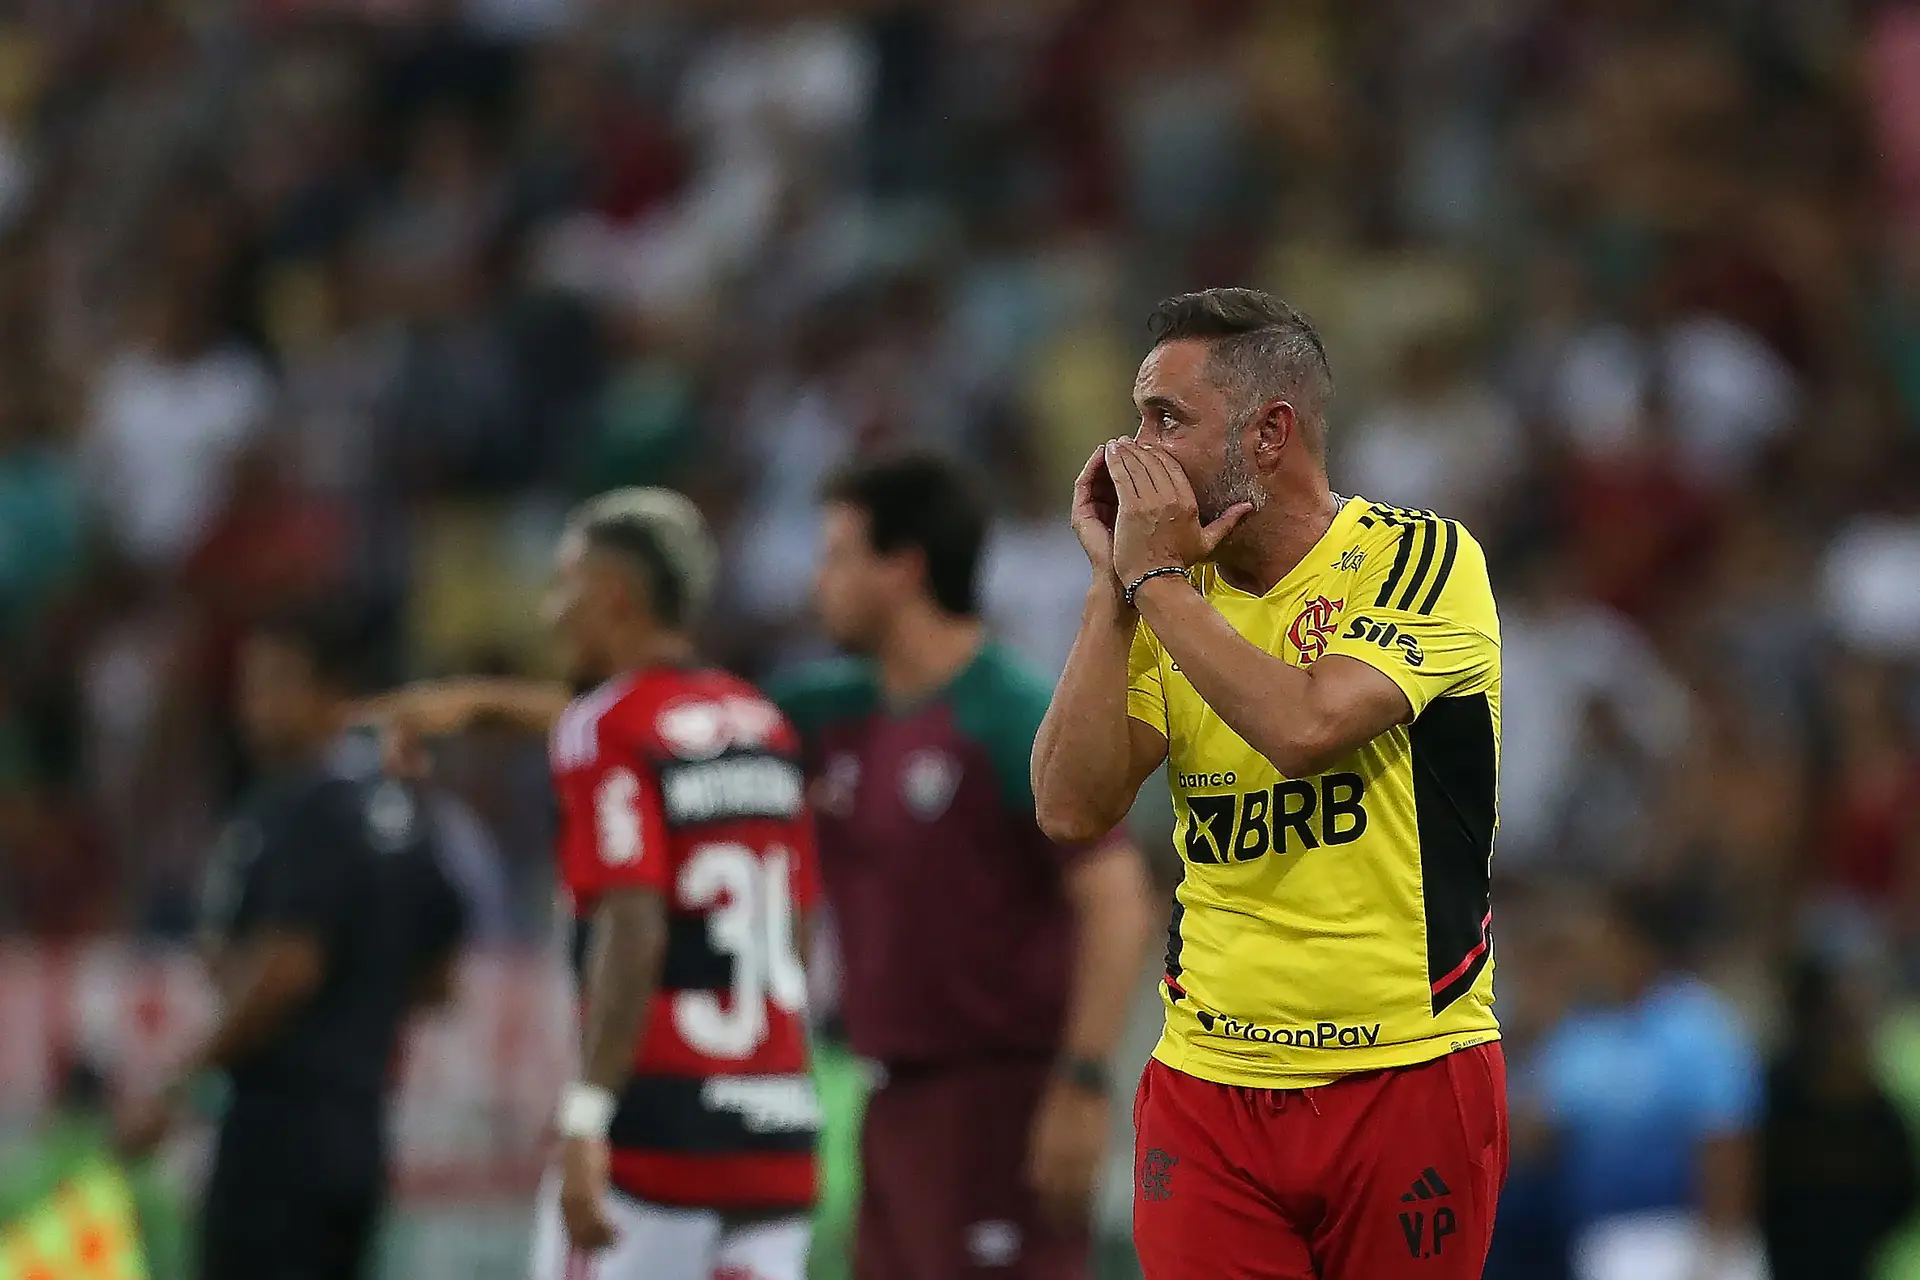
<point x="905" y="708"/>
<point x="1340" y="529"/>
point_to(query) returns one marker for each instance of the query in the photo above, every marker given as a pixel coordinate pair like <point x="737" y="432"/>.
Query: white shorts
<point x="661" y="1242"/>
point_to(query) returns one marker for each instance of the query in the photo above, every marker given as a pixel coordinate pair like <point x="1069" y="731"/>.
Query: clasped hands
<point x="1134" y="511"/>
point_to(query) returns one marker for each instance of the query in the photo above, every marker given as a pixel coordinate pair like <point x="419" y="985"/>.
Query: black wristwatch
<point x="1089" y="1074"/>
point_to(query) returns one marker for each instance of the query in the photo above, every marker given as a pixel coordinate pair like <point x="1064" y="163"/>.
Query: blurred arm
<point x="629" y="946"/>
<point x="1090" y="756"/>
<point x="268" y="981"/>
<point x="409" y="716"/>
<point x="1727" y="1185"/>
<point x="437" y="708"/>
<point x="1113" y="923"/>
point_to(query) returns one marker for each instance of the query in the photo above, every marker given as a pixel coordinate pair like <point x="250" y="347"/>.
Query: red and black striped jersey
<point x="686" y="782"/>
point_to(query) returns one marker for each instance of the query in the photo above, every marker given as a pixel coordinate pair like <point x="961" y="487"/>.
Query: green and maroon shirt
<point x="955" y="932"/>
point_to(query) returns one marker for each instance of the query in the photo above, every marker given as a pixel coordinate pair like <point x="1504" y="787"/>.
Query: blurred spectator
<point x="1871" y="584"/>
<point x="170" y="414"/>
<point x="1444" y="440"/>
<point x="43" y="528"/>
<point x="77" y="1136"/>
<point x="1652" y="1090"/>
<point x="1034" y="575"/>
<point x="1872" y="819"/>
<point x="1837" y="1173"/>
<point x="1574" y="669"/>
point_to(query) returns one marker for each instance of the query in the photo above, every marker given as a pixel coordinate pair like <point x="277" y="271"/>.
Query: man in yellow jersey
<point x="1322" y="676"/>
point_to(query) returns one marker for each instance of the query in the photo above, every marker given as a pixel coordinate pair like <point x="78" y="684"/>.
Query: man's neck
<point x="1271" y="541"/>
<point x="923" y="650"/>
<point x="315" y="748"/>
<point x="661" y="649"/>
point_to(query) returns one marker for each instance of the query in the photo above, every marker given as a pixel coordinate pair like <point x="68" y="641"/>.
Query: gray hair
<point x="1258" y="349"/>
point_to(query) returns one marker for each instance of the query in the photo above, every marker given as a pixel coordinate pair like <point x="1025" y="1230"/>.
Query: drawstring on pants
<point x="1276" y="1099"/>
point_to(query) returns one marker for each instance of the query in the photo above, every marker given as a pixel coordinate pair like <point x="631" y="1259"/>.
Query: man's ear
<point x="911" y="564"/>
<point x="1276" y="427"/>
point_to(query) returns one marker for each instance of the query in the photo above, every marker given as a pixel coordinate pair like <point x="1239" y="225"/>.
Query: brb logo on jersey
<point x="1314" y="627"/>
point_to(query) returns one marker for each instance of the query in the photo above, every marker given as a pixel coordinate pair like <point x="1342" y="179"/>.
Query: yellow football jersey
<point x="1338" y="923"/>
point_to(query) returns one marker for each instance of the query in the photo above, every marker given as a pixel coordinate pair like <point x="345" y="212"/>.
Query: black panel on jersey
<point x="1454" y="780"/>
<point x="1210" y="827"/>
<point x="716" y="1115"/>
<point x="737" y="785"/>
<point x="1174" y="941"/>
<point x="690" y="963"/>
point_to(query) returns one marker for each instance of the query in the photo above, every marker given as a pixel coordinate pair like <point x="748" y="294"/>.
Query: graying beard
<point x="1236" y="483"/>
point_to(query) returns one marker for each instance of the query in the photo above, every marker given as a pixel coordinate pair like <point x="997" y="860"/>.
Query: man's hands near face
<point x="1157" y="524"/>
<point x="1095" y="508"/>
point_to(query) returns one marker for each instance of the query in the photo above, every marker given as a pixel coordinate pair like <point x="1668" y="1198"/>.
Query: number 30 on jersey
<point x="748" y="903"/>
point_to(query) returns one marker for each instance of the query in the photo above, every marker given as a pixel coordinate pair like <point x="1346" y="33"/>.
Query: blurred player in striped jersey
<point x="987" y="971"/>
<point x="686" y="853"/>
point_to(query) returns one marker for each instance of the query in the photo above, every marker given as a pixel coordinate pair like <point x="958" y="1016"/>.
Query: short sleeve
<point x="815" y="696"/>
<point x="1421" y="613"/>
<point x="999" y="704"/>
<point x="1146" y="697"/>
<point x="629" y="846"/>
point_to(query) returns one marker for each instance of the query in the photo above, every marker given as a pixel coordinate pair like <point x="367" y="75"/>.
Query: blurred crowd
<point x="300" y="296"/>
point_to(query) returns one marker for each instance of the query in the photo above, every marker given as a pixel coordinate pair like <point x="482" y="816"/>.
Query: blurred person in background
<point x="1443" y="439"/>
<point x="1032" y="572"/>
<point x="327" y="921"/>
<point x="686" y="857"/>
<point x="1011" y="1018"/>
<point x="1837" y="1171"/>
<point x="1649" y="1090"/>
<point x="986" y="970"/>
<point x="75" y="1141"/>
<point x="1538" y="979"/>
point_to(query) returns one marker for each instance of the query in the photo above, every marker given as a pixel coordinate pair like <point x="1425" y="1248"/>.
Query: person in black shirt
<point x="327" y="920"/>
<point x="1837" y="1170"/>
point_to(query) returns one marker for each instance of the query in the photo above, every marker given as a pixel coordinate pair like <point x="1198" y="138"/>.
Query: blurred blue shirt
<point x="1633" y="1090"/>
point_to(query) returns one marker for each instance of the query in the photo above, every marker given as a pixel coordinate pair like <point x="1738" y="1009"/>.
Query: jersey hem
<point x="1204" y="1064"/>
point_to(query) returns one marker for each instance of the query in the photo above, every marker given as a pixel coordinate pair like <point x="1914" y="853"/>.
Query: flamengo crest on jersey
<point x="1341" y="922"/>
